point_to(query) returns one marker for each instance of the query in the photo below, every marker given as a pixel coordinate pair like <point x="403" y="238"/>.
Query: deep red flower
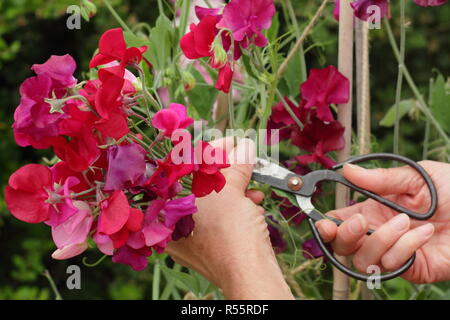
<point x="430" y="3"/>
<point x="282" y="121"/>
<point x="324" y="87"/>
<point x="207" y="176"/>
<point x="318" y="138"/>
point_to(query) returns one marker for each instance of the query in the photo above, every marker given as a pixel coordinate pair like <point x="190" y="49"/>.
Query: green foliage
<point x="440" y="102"/>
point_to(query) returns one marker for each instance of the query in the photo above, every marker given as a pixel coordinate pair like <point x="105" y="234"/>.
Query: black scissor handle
<point x="343" y="268"/>
<point x="311" y="179"/>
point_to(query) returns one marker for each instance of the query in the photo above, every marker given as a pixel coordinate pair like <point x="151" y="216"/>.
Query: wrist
<point x="253" y="276"/>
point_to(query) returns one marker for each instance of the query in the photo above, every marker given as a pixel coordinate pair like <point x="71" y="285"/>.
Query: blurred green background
<point x="32" y="30"/>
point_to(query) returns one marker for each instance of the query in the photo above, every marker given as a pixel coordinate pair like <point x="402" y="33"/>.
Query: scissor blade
<point x="268" y="168"/>
<point x="307" y="207"/>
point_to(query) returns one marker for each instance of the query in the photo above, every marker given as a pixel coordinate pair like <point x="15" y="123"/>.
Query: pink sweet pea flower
<point x="104" y="243"/>
<point x="324" y="87"/>
<point x="430" y="3"/>
<point x="75" y="230"/>
<point x="247" y="18"/>
<point x="70" y="251"/>
<point x="170" y="119"/>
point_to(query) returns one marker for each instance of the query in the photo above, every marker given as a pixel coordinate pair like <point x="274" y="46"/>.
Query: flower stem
<point x="116" y="16"/>
<point x="422" y="105"/>
<point x="300" y="40"/>
<point x="289" y="110"/>
<point x="156" y="281"/>
<point x="401" y="63"/>
<point x="52" y="284"/>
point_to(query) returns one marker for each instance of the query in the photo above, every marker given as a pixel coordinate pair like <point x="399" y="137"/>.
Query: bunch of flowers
<point x="111" y="185"/>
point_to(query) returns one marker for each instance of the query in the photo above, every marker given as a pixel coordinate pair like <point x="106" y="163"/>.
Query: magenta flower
<point x="136" y="259"/>
<point x="246" y="19"/>
<point x="126" y="167"/>
<point x="170" y="119"/>
<point x="362" y="8"/>
<point x="430" y="3"/>
<point x="324" y="87"/>
<point x="58" y="68"/>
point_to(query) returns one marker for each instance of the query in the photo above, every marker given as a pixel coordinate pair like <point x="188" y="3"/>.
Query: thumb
<point x="242" y="158"/>
<point x="381" y="180"/>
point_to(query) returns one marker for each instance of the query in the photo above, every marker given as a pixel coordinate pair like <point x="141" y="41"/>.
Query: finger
<point x="255" y="195"/>
<point x="347" y="212"/>
<point x="404" y="248"/>
<point x="349" y="234"/>
<point x="327" y="229"/>
<point x="242" y="159"/>
<point x="226" y="143"/>
<point x="403" y="180"/>
<point x="377" y="244"/>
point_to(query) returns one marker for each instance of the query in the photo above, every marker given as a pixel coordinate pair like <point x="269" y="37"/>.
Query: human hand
<point x="230" y="244"/>
<point x="396" y="237"/>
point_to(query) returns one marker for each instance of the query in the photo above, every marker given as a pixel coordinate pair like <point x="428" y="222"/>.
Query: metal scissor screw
<point x="295" y="183"/>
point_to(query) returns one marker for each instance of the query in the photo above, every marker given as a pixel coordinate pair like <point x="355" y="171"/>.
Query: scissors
<point x="303" y="187"/>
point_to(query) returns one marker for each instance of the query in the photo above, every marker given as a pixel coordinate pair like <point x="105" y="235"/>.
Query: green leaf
<point x="202" y="97"/>
<point x="294" y="74"/>
<point x="248" y="66"/>
<point x="272" y="32"/>
<point x="160" y="43"/>
<point x="285" y="194"/>
<point x="440" y="103"/>
<point x="186" y="279"/>
<point x="405" y="107"/>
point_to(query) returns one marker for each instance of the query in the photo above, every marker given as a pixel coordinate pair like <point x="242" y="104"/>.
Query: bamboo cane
<point x="363" y="105"/>
<point x="341" y="281"/>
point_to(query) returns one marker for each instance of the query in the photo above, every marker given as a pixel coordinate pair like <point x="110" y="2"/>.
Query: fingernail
<point x="355" y="167"/>
<point x="426" y="230"/>
<point x="356" y="224"/>
<point x="400" y="222"/>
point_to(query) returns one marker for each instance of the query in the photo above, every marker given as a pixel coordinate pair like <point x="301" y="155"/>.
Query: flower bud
<point x="189" y="80"/>
<point x="219" y="57"/>
<point x="90" y="8"/>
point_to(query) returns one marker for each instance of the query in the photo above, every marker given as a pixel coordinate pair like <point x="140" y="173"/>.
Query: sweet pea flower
<point x="33" y="197"/>
<point x="430" y="3"/>
<point x="112" y="47"/>
<point x="362" y="8"/>
<point x="114" y="214"/>
<point x="126" y="166"/>
<point x="74" y="231"/>
<point x="246" y="19"/>
<point x="136" y="259"/>
<point x="58" y="68"/>
<point x="318" y="138"/>
<point x="311" y="249"/>
<point x="324" y="87"/>
<point x="170" y="119"/>
<point x="35" y="121"/>
<point x="70" y="251"/>
<point x="207" y="176"/>
<point x="224" y="78"/>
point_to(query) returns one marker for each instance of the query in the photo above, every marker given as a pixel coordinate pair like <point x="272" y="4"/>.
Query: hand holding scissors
<point x="303" y="188"/>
